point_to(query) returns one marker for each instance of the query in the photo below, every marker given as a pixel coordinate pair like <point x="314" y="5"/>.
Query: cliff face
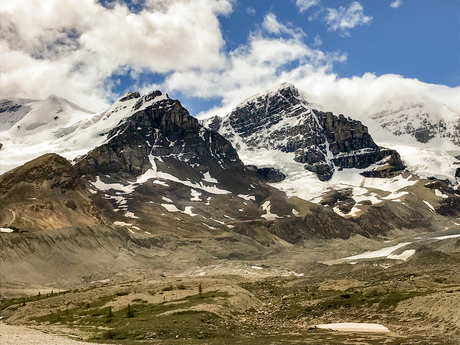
<point x="161" y="130"/>
<point x="282" y="120"/>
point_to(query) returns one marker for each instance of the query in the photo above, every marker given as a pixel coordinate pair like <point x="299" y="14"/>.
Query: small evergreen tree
<point x="109" y="314"/>
<point x="129" y="311"/>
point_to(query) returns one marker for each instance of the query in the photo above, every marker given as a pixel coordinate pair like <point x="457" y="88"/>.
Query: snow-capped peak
<point x="57" y="125"/>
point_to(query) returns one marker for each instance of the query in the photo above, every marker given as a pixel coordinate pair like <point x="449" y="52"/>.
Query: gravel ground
<point x="14" y="335"/>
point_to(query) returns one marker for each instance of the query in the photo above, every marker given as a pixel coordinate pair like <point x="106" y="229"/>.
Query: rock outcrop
<point x="269" y="175"/>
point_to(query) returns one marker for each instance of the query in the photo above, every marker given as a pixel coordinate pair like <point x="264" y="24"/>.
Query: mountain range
<point x="275" y="172"/>
<point x="143" y="223"/>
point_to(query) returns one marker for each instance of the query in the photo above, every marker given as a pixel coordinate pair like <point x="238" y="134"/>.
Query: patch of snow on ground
<point x="154" y="173"/>
<point x="130" y="215"/>
<point x="268" y="216"/>
<point x="122" y="224"/>
<point x="395" y="196"/>
<point x="167" y="199"/>
<point x="208" y="178"/>
<point x="115" y="186"/>
<point x="195" y="195"/>
<point x="209" y="226"/>
<point x="429" y="205"/>
<point x="170" y="207"/>
<point x="361" y="194"/>
<point x="437" y="192"/>
<point x="188" y="210"/>
<point x="161" y="183"/>
<point x="295" y="212"/>
<point x="247" y="197"/>
<point x="355" y="327"/>
<point x="6" y="230"/>
<point x="217" y="221"/>
<point x="403" y="256"/>
<point x="446" y="237"/>
<point x="384" y="252"/>
<point x="378" y="253"/>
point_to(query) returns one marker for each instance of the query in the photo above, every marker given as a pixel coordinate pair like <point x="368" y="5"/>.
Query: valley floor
<point x="418" y="306"/>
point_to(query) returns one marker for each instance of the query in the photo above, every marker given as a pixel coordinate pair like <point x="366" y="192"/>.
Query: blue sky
<point x="213" y="53"/>
<point x="419" y="39"/>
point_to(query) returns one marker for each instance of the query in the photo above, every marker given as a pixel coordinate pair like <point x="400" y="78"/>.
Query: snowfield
<point x="354" y="327"/>
<point x="388" y="252"/>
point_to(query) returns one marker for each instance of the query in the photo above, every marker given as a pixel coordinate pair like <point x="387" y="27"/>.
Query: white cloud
<point x="273" y="26"/>
<point x="251" y="11"/>
<point x="264" y="62"/>
<point x="318" y="41"/>
<point x="304" y="5"/>
<point x="71" y="48"/>
<point x="343" y="19"/>
<point x="396" y="3"/>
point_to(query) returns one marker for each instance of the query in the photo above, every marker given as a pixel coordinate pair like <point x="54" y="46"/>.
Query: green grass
<point x="141" y="320"/>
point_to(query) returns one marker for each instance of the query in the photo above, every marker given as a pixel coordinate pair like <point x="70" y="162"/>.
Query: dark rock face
<point x="457" y="173"/>
<point x="146" y="98"/>
<point x="282" y="120"/>
<point x="340" y="198"/>
<point x="130" y="95"/>
<point x="7" y="106"/>
<point x="449" y="206"/>
<point x="423" y="135"/>
<point x="165" y="132"/>
<point x="269" y="175"/>
<point x="389" y="165"/>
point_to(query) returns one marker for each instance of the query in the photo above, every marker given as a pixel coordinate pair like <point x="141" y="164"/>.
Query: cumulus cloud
<point x="304" y="5"/>
<point x="72" y="48"/>
<point x="396" y="3"/>
<point x="265" y="61"/>
<point x="343" y="19"/>
<point x="273" y="26"/>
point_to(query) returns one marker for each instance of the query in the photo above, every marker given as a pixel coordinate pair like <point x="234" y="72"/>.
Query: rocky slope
<point x="187" y="172"/>
<point x="46" y="193"/>
<point x="159" y="171"/>
<point x="282" y="120"/>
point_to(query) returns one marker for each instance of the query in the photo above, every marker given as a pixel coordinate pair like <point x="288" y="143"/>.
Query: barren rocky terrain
<point x="263" y="301"/>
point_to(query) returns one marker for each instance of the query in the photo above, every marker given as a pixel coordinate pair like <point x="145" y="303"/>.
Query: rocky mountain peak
<point x="130" y="95"/>
<point x="281" y="120"/>
<point x="162" y="135"/>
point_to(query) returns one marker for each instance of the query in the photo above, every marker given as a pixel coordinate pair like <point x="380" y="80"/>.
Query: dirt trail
<point x="13" y="335"/>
